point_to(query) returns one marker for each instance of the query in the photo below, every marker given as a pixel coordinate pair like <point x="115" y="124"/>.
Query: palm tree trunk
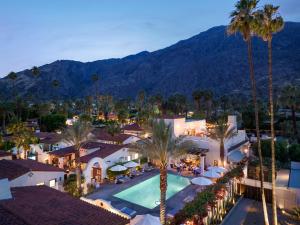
<point x="78" y="171"/>
<point x="274" y="208"/>
<point x="163" y="190"/>
<point x="222" y="153"/>
<point x="253" y="85"/>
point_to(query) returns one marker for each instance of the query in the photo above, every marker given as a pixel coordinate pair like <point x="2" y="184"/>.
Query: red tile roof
<point x="41" y="205"/>
<point x="63" y="151"/>
<point x="171" y="117"/>
<point x="133" y="127"/>
<point x="101" y="134"/>
<point x="48" y="137"/>
<point x="12" y="169"/>
<point x="4" y="153"/>
<point x="105" y="150"/>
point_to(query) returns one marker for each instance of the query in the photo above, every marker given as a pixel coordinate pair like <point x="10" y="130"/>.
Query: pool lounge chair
<point x="128" y="211"/>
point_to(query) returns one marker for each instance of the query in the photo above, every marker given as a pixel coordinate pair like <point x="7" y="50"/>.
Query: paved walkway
<point x="239" y="213"/>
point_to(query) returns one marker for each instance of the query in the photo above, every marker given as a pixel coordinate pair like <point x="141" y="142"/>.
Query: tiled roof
<point x="91" y="145"/>
<point x="12" y="169"/>
<point x="48" y="137"/>
<point x="171" y="117"/>
<point x="105" y="150"/>
<point x="133" y="127"/>
<point x="63" y="151"/>
<point x="4" y="153"/>
<point x="8" y="218"/>
<point x="101" y="134"/>
<point x="41" y="205"/>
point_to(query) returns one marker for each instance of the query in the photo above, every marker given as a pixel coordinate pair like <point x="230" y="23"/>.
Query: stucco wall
<point x="37" y="177"/>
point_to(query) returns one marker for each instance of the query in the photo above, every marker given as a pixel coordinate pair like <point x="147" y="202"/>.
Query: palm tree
<point x="197" y="96"/>
<point x="160" y="148"/>
<point x="243" y="21"/>
<point x="22" y="137"/>
<point x="13" y="77"/>
<point x="290" y="97"/>
<point x="222" y="132"/>
<point x="76" y="135"/>
<point x="95" y="79"/>
<point x="113" y="129"/>
<point x="269" y="22"/>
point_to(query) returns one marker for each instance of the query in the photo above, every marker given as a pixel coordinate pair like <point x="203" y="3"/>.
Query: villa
<point x="30" y="173"/>
<point x="43" y="205"/>
<point x="133" y="129"/>
<point x="236" y="148"/>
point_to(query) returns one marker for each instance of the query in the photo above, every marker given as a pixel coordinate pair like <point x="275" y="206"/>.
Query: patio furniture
<point x="128" y="211"/>
<point x="149" y="168"/>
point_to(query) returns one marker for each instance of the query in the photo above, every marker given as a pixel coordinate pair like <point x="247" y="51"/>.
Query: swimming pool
<point x="147" y="193"/>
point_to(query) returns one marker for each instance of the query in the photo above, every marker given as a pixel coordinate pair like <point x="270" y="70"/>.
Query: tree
<point x="22" y="137"/>
<point x="113" y="129"/>
<point x="95" y="79"/>
<point x="197" y="96"/>
<point x="53" y="122"/>
<point x="76" y="135"/>
<point x="290" y="97"/>
<point x="160" y="148"/>
<point x="222" y="132"/>
<point x="243" y="21"/>
<point x="269" y="22"/>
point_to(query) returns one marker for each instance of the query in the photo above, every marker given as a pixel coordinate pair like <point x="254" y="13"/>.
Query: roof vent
<point x="5" y="189"/>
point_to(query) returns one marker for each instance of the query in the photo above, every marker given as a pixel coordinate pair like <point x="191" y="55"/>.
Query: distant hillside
<point x="209" y="60"/>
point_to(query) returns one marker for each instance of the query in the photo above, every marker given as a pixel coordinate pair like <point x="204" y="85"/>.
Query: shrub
<point x="294" y="152"/>
<point x="53" y="122"/>
<point x="70" y="185"/>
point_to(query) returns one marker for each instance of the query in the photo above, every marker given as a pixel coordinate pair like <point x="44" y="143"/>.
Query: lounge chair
<point x="128" y="211"/>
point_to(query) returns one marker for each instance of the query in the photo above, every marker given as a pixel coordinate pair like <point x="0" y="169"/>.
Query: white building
<point x="196" y="131"/>
<point x="30" y="173"/>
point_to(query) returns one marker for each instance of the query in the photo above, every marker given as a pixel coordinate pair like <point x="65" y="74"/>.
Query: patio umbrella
<point x="218" y="169"/>
<point x="131" y="164"/>
<point x="145" y="220"/>
<point x="236" y="156"/>
<point x="211" y="174"/>
<point x="201" y="181"/>
<point x="118" y="168"/>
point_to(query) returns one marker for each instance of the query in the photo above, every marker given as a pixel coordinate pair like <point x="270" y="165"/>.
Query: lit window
<point x="40" y="184"/>
<point x="52" y="183"/>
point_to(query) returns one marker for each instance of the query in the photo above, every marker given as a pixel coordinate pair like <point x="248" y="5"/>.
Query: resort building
<point x="236" y="147"/>
<point x="43" y="205"/>
<point x="30" y="173"/>
<point x="133" y="129"/>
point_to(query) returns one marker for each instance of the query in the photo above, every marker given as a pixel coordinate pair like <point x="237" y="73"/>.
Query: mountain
<point x="209" y="60"/>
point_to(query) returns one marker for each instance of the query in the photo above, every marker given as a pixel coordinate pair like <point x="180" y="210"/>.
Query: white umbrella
<point x="145" y="220"/>
<point x="218" y="169"/>
<point x="131" y="164"/>
<point x="118" y="168"/>
<point x="201" y="181"/>
<point x="211" y="174"/>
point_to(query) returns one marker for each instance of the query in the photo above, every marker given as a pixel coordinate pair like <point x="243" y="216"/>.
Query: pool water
<point x="147" y="193"/>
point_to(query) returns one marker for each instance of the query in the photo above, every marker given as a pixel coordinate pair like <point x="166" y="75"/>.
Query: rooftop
<point x="4" y="153"/>
<point x="43" y="205"/>
<point x="132" y="127"/>
<point x="48" y="137"/>
<point x="104" y="151"/>
<point x="63" y="151"/>
<point x="101" y="134"/>
<point x="12" y="169"/>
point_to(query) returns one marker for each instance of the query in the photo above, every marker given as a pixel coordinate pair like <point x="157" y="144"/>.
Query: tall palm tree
<point x="290" y="97"/>
<point x="197" y="96"/>
<point x="160" y="148"/>
<point x="243" y="21"/>
<point x="76" y="135"/>
<point x="222" y="132"/>
<point x="13" y="77"/>
<point x="95" y="79"/>
<point x="268" y="22"/>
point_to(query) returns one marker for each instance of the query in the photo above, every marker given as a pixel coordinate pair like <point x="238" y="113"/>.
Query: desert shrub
<point x="70" y="185"/>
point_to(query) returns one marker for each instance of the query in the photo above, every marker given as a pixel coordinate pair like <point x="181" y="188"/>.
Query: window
<point x="52" y="183"/>
<point x="40" y="184"/>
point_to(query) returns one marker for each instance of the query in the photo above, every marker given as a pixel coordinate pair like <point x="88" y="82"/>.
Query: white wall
<point x="37" y="177"/>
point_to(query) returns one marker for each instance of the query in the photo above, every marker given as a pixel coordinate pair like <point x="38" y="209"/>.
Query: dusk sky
<point x="35" y="32"/>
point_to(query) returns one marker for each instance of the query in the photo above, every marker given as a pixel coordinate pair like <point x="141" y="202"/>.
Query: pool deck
<point x="107" y="191"/>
